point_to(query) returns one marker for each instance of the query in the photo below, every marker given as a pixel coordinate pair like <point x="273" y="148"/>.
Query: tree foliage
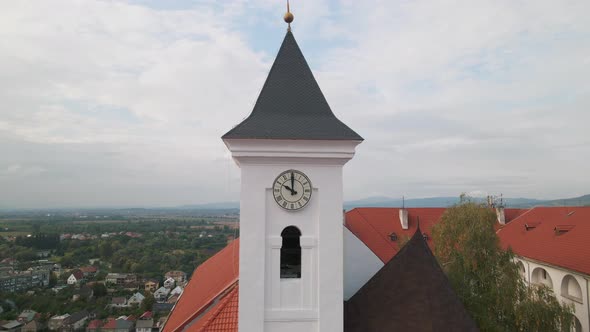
<point x="486" y="277"/>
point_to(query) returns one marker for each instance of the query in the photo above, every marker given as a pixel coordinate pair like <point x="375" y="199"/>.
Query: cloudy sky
<point x="119" y="103"/>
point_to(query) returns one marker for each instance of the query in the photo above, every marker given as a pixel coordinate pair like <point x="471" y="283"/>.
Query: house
<point x="136" y="299"/>
<point x="169" y="283"/>
<point x="161" y="294"/>
<point x="75" y="321"/>
<point x="146" y="315"/>
<point x="144" y="325"/>
<point x="56" y="322"/>
<point x="121" y="278"/>
<point x="119" y="302"/>
<point x="94" y="325"/>
<point x="14" y="280"/>
<point x="89" y="271"/>
<point x="26" y="316"/>
<point x="117" y="325"/>
<point x="178" y="276"/>
<point x="151" y="285"/>
<point x="12" y="326"/>
<point x="551" y="248"/>
<point x="176" y="291"/>
<point x="33" y="326"/>
<point x="76" y="277"/>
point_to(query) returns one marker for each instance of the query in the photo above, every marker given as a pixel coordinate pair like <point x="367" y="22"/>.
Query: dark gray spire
<point x="291" y="104"/>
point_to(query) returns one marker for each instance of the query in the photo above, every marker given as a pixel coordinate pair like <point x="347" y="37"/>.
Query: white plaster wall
<point x="314" y="302"/>
<point x="557" y="275"/>
<point x="360" y="264"/>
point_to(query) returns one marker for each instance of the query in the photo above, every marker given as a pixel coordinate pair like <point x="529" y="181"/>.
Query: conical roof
<point x="291" y="104"/>
<point x="410" y="293"/>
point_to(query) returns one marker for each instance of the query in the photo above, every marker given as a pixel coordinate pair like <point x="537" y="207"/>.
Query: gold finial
<point x="288" y="16"/>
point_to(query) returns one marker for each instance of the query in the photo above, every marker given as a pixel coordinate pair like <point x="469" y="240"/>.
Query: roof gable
<point x="410" y="293"/>
<point x="291" y="104"/>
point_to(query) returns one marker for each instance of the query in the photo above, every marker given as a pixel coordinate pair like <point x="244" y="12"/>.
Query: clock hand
<point x="293" y="192"/>
<point x="293" y="184"/>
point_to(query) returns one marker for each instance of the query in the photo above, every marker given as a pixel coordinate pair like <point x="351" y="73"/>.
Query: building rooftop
<point x="215" y="276"/>
<point x="554" y="235"/>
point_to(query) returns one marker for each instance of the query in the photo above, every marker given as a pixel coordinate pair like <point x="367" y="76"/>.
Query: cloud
<point x="124" y="102"/>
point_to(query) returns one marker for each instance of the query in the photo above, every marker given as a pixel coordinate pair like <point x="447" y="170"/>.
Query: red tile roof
<point x="511" y="214"/>
<point x="110" y="324"/>
<point x="88" y="269"/>
<point x="550" y="240"/>
<point x="212" y="279"/>
<point x="94" y="324"/>
<point x="78" y="274"/>
<point x="146" y="315"/>
<point x="222" y="317"/>
<point x="374" y="226"/>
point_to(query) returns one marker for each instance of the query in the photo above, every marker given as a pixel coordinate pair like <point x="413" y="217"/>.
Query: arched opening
<point x="291" y="253"/>
<point x="540" y="276"/>
<point x="521" y="269"/>
<point x="577" y="325"/>
<point x="571" y="289"/>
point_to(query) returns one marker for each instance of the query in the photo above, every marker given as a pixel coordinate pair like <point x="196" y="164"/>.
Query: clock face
<point x="292" y="190"/>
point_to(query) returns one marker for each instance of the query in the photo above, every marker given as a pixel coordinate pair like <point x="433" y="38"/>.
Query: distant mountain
<point x="448" y="201"/>
<point x="233" y="207"/>
<point x="211" y="206"/>
<point x="412" y="202"/>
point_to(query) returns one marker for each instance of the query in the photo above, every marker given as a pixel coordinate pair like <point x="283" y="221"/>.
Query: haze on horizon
<point x="122" y="103"/>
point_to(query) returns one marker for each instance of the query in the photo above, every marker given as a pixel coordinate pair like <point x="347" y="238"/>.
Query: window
<point x="291" y="253"/>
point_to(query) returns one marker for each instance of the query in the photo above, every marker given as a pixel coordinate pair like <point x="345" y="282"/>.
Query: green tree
<point x="487" y="279"/>
<point x="148" y="302"/>
<point x="99" y="290"/>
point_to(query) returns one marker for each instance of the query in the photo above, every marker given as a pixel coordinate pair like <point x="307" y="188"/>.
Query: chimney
<point x="403" y="218"/>
<point x="500" y="214"/>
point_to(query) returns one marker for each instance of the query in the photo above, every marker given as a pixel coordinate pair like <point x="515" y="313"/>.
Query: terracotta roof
<point x="556" y="235"/>
<point x="212" y="278"/>
<point x="222" y="317"/>
<point x="511" y="214"/>
<point x="110" y="324"/>
<point x="88" y="269"/>
<point x="94" y="324"/>
<point x="373" y="226"/>
<point x="78" y="274"/>
<point x="146" y="315"/>
<point x="410" y="293"/>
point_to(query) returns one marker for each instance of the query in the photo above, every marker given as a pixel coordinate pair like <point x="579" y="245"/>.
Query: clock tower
<point x="291" y="151"/>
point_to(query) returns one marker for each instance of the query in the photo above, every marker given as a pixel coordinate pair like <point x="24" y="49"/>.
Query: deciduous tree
<point x="486" y="277"/>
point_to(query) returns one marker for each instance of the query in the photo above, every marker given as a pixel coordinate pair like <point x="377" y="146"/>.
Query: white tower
<point x="291" y="151"/>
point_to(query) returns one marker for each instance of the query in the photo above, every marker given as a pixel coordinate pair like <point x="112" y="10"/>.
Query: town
<point x="121" y="274"/>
